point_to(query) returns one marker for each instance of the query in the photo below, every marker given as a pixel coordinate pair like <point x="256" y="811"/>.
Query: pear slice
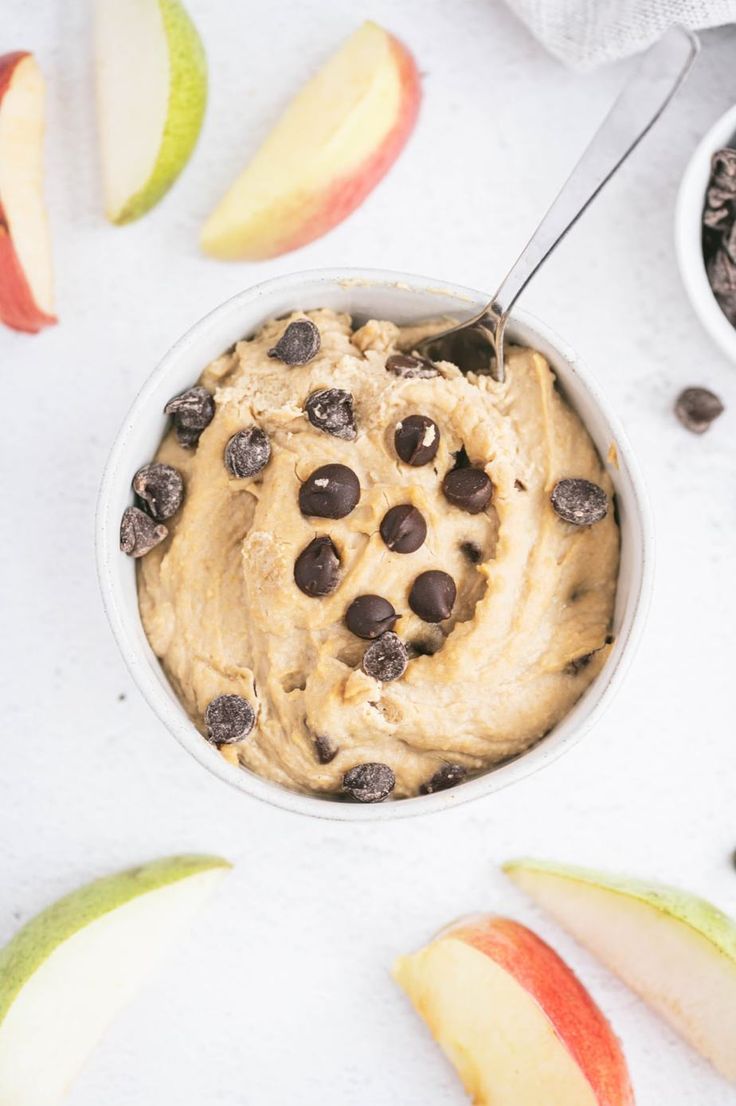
<point x="68" y="972"/>
<point x="151" y="97"/>
<point x="677" y="951"/>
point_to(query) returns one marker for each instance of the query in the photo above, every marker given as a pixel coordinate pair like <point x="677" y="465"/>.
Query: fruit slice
<point x="678" y="952"/>
<point x="513" y="1019"/>
<point x="333" y="144"/>
<point x="66" y="974"/>
<point x="151" y="96"/>
<point x="26" y="277"/>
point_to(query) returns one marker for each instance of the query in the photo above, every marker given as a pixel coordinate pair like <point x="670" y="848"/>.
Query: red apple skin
<point x="347" y="193"/>
<point x="18" y="309"/>
<point x="577" y="1020"/>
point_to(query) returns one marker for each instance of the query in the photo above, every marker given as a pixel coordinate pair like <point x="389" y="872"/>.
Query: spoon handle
<point x="643" y="99"/>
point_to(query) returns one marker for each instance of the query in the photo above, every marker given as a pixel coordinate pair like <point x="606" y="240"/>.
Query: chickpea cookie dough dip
<point x="367" y="575"/>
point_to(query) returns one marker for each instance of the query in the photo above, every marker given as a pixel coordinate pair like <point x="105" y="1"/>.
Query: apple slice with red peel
<point x="515" y="1021"/>
<point x="677" y="951"/>
<point x="333" y="144"/>
<point x="26" y="275"/>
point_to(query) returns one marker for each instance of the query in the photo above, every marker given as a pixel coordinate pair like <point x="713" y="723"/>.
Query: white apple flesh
<point x="151" y="97"/>
<point x="517" y="1024"/>
<point x="72" y="968"/>
<point x="26" y="274"/>
<point x="677" y="951"/>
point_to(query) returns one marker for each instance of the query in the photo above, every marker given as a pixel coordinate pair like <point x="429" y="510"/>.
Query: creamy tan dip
<point x="529" y="628"/>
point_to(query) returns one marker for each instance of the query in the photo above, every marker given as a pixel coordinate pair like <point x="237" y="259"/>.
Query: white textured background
<point x="282" y="993"/>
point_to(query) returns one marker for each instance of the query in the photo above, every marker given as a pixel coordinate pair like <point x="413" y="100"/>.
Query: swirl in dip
<point x="482" y="613"/>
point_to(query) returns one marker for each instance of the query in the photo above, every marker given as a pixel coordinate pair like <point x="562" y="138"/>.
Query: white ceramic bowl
<point x="404" y="299"/>
<point x="688" y="230"/>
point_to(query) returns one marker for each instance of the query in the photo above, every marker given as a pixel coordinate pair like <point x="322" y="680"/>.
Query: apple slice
<point x="677" y="951"/>
<point x="65" y="975"/>
<point x="26" y="279"/>
<point x="333" y="144"/>
<point x="151" y="96"/>
<point x="513" y="1019"/>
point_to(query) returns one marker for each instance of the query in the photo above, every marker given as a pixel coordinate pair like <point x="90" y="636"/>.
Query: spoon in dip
<point x="477" y="343"/>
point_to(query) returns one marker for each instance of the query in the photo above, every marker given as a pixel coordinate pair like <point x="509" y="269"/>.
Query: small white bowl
<point x="404" y="299"/>
<point x="688" y="232"/>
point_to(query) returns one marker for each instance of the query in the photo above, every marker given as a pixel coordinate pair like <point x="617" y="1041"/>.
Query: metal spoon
<point x="664" y="67"/>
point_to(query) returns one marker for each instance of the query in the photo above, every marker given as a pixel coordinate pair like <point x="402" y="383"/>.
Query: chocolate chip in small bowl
<point x="228" y="718"/>
<point x="449" y="775"/>
<point x="386" y="659"/>
<point x="408" y="367"/>
<point x="299" y="344"/>
<point x="248" y="452"/>
<point x="369" y="616"/>
<point x="317" y="568"/>
<point x="433" y="595"/>
<point x="416" y="440"/>
<point x="191" y="411"/>
<point x="369" y="783"/>
<point x="579" y="501"/>
<point x="331" y="410"/>
<point x="139" y="533"/>
<point x="403" y="528"/>
<point x="160" y="488"/>
<point x="697" y="408"/>
<point x="331" y="491"/>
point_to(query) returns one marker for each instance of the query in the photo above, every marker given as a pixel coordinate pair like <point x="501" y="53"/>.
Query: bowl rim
<point x="688" y="229"/>
<point x="148" y="682"/>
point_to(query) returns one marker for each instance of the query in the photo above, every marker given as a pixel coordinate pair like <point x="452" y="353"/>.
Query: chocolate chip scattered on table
<point x="352" y="555"/>
<point x="698" y="408"/>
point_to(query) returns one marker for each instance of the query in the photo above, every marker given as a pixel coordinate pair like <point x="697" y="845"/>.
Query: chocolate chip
<point x="697" y="408"/>
<point x="449" y="775"/>
<point x="432" y="596"/>
<point x="386" y="659"/>
<point x="139" y="534"/>
<point x="422" y="648"/>
<point x="416" y="439"/>
<point x="331" y="410"/>
<point x="324" y="750"/>
<point x="187" y="439"/>
<point x="401" y="364"/>
<point x="317" y="568"/>
<point x="248" y="452"/>
<point x="472" y="551"/>
<point x="299" y="343"/>
<point x="578" y="664"/>
<point x="369" y="783"/>
<point x="369" y="616"/>
<point x="331" y="491"/>
<point x="468" y="488"/>
<point x="161" y="488"/>
<point x="579" y="501"/>
<point x="191" y="410"/>
<point x="228" y="718"/>
<point x="403" y="528"/>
